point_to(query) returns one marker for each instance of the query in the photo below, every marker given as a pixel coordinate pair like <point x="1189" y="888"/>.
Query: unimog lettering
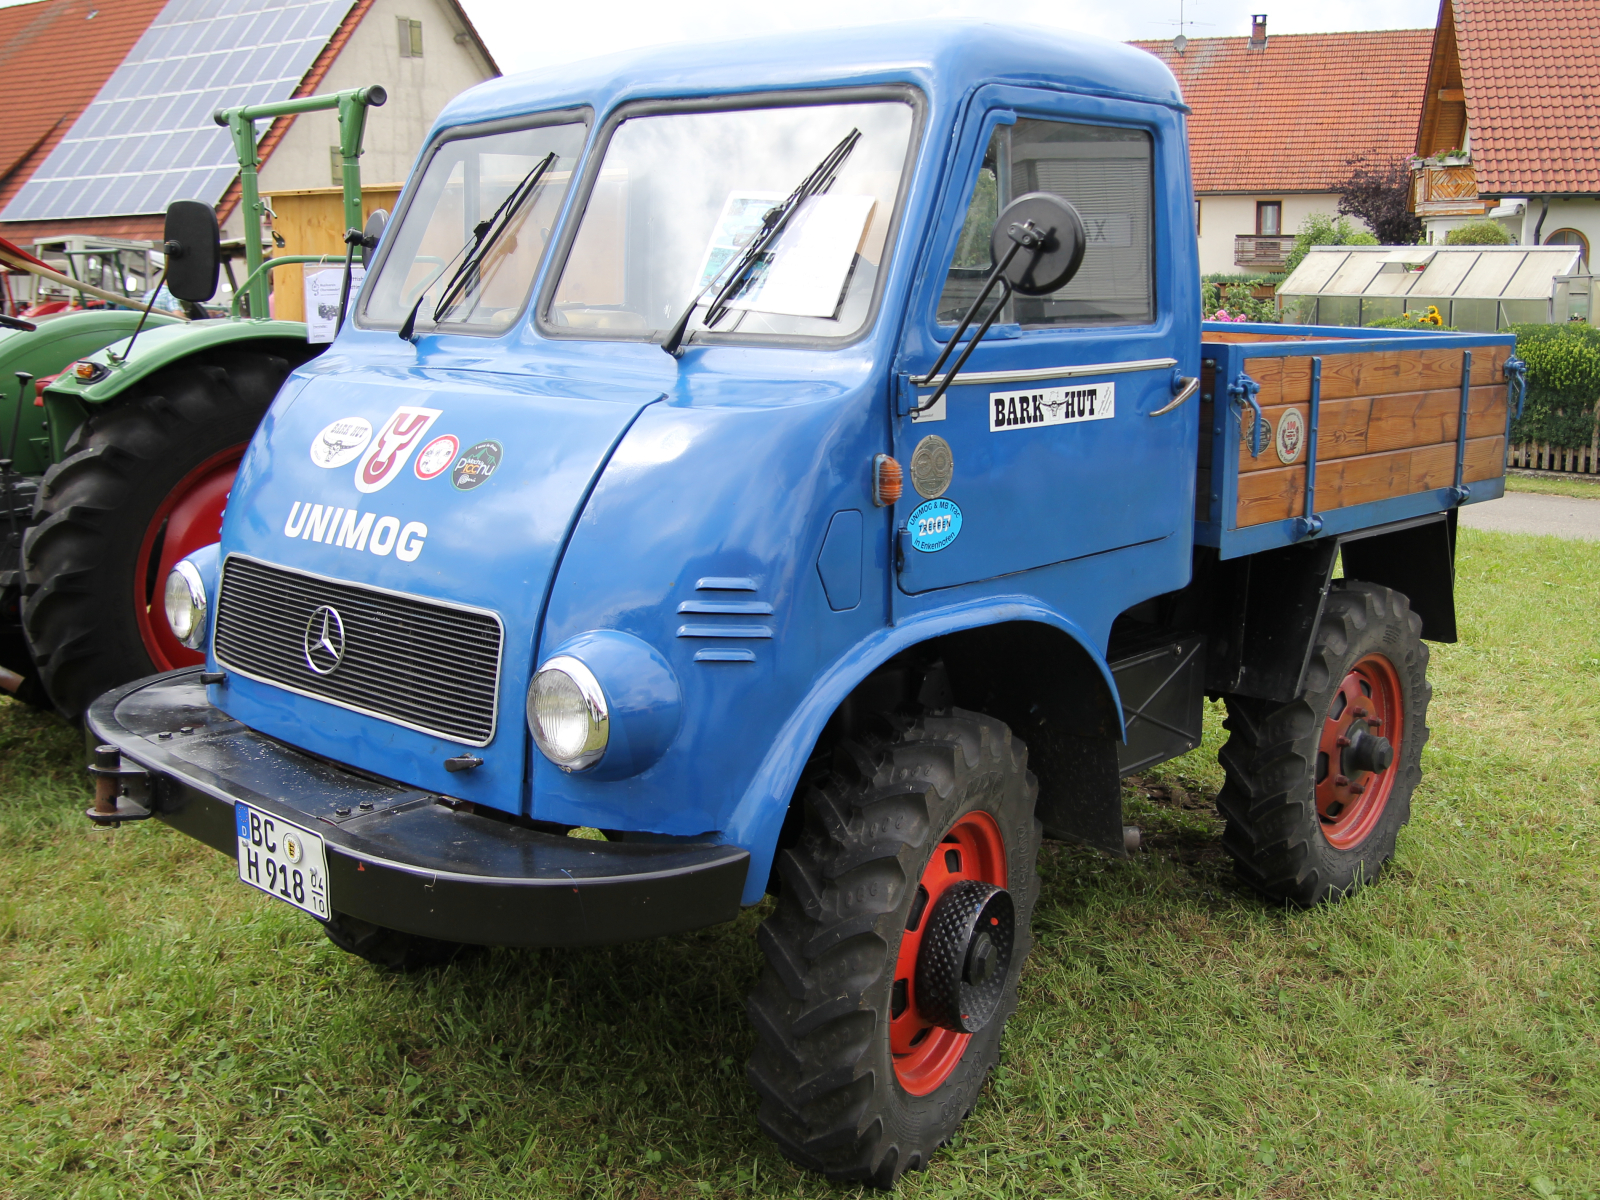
<point x="350" y="529"/>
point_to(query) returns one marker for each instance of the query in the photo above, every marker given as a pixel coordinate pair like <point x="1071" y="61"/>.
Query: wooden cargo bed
<point x="1383" y="409"/>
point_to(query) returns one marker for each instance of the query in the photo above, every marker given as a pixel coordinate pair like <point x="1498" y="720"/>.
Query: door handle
<point x="1191" y="385"/>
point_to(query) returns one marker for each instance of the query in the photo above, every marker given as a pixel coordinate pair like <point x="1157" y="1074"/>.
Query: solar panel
<point x="148" y="138"/>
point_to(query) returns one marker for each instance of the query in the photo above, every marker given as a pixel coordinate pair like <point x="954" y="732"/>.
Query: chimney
<point x="1258" y="29"/>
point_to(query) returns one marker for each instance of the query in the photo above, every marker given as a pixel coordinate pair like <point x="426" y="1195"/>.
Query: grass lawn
<point x="168" y="1032"/>
<point x="1553" y="485"/>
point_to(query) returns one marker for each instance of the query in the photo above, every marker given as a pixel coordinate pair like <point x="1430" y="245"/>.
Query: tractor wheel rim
<point x="1351" y="800"/>
<point x="924" y="1054"/>
<point x="188" y="518"/>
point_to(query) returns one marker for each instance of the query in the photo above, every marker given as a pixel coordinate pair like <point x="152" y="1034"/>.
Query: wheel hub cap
<point x="961" y="969"/>
<point x="1356" y="758"/>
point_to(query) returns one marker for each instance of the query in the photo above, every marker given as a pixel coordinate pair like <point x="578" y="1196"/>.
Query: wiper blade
<point x="484" y="236"/>
<point x="738" y="270"/>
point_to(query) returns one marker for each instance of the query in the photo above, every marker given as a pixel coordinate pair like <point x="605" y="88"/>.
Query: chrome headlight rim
<point x="598" y="715"/>
<point x="194" y="591"/>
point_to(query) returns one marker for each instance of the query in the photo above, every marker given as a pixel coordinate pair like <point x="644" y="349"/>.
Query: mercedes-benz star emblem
<point x="324" y="640"/>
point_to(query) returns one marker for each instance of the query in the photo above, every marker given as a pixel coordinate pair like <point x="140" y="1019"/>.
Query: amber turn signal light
<point x="888" y="481"/>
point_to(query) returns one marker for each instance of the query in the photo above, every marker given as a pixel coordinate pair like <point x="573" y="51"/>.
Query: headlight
<point x="567" y="714"/>
<point x="186" y="605"/>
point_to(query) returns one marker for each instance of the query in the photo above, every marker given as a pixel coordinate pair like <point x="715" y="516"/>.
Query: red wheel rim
<point x="924" y="1053"/>
<point x="189" y="518"/>
<point x="1349" y="803"/>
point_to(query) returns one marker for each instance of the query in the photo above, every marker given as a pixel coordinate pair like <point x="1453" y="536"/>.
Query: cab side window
<point x="1107" y="174"/>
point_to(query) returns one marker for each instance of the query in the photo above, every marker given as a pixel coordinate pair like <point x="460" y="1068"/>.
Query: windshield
<point x="680" y="195"/>
<point x="464" y="183"/>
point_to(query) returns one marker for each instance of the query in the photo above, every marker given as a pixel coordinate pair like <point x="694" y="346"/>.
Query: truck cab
<point x="630" y="500"/>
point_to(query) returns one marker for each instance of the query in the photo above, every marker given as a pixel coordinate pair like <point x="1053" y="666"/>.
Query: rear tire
<point x="848" y="1087"/>
<point x="389" y="948"/>
<point x="92" y="605"/>
<point x="1295" y="832"/>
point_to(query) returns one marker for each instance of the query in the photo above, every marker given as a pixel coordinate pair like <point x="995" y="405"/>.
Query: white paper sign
<point x="322" y="299"/>
<point x="812" y="262"/>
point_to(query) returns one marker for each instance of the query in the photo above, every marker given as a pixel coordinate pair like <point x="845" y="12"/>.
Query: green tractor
<point x="122" y="463"/>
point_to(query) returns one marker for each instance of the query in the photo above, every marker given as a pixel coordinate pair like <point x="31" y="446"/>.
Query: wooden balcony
<point x="1445" y="191"/>
<point x="1262" y="252"/>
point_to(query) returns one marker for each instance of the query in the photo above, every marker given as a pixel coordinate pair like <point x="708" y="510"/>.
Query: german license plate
<point x="282" y="859"/>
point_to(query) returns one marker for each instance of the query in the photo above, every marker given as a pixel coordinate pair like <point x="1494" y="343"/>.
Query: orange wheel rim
<point x="1352" y="791"/>
<point x="924" y="1053"/>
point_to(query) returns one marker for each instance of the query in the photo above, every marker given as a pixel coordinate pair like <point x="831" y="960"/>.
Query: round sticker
<point x="476" y="465"/>
<point x="934" y="525"/>
<point x="1291" y="437"/>
<point x="435" y="458"/>
<point x="292" y="848"/>
<point x="932" y="465"/>
<point x="341" y="442"/>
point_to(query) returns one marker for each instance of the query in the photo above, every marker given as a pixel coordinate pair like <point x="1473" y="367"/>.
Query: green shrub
<point x="1563" y="383"/>
<point x="1235" y="300"/>
<point x="1410" y="322"/>
<point x="1320" y="229"/>
<point x="1478" y="233"/>
<point x="1259" y="280"/>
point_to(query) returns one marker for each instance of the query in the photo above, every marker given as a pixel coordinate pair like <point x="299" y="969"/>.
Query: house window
<point x="1197" y="218"/>
<point x="410" y="38"/>
<point x="1569" y="237"/>
<point x="1269" y="218"/>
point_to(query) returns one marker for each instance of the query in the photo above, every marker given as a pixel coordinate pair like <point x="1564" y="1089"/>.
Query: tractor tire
<point x="1317" y="789"/>
<point x="142" y="484"/>
<point x="918" y="844"/>
<point x="389" y="948"/>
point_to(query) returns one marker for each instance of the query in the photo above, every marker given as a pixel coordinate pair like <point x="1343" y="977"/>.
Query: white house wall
<point x="1223" y="217"/>
<point x="418" y="88"/>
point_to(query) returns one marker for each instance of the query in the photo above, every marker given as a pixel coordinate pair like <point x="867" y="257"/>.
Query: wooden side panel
<point x="1278" y="494"/>
<point x="1386" y="427"/>
<point x="311" y="221"/>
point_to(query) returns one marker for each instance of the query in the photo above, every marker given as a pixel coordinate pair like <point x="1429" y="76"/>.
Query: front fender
<point x="161" y="346"/>
<point x="759" y="815"/>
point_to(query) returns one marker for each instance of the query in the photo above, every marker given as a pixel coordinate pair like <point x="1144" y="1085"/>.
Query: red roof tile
<point x="1288" y="116"/>
<point x="1532" y="78"/>
<point x="54" y="57"/>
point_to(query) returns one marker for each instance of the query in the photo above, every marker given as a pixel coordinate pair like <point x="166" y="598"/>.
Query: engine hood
<point x="459" y="487"/>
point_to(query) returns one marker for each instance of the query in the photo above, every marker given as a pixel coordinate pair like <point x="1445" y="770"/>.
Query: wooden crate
<point x="311" y="221"/>
<point x="1388" y="411"/>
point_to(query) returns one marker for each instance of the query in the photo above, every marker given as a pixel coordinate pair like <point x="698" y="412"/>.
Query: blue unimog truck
<point x="803" y="462"/>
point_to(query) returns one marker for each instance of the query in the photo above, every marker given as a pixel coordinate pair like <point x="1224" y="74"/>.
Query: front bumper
<point x="409" y="861"/>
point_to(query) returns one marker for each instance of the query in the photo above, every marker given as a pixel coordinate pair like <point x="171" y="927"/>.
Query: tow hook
<point x="121" y="790"/>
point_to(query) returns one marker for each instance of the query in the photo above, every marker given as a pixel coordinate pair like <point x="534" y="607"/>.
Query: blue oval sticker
<point x="934" y="525"/>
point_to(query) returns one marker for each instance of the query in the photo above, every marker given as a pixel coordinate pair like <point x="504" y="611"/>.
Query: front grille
<point x="419" y="663"/>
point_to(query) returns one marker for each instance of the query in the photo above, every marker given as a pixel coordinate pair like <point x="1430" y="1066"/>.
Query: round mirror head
<point x="373" y="233"/>
<point x="1052" y="237"/>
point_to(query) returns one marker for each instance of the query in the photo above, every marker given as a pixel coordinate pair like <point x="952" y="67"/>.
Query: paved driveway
<point x="1525" y="512"/>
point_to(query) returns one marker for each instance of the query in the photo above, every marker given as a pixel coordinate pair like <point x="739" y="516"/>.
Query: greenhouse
<point x="1476" y="288"/>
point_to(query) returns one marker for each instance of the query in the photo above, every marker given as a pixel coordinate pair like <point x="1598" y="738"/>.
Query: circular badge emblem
<point x="934" y="525"/>
<point x="474" y="467"/>
<point x="324" y="640"/>
<point x="293" y="849"/>
<point x="932" y="465"/>
<point x="1291" y="438"/>
<point x="341" y="442"/>
<point x="435" y="458"/>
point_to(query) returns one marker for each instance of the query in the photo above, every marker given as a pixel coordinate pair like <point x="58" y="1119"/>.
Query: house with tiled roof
<point x="112" y="116"/>
<point x="1510" y="124"/>
<point x="1277" y="121"/>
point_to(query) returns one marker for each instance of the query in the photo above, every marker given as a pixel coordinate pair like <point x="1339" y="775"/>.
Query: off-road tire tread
<point x="872" y="814"/>
<point x="94" y="505"/>
<point x="1267" y="799"/>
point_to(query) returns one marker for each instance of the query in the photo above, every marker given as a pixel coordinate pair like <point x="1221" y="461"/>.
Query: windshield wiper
<point x="772" y="227"/>
<point x="484" y="235"/>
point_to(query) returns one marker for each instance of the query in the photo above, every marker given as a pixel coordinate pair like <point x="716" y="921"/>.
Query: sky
<point x="524" y="36"/>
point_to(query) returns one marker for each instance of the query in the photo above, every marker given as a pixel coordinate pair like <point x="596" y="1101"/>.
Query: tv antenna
<point x="1180" y="42"/>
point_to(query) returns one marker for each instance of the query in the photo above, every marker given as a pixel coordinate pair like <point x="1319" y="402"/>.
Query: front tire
<point x="1318" y="789"/>
<point x="918" y="843"/>
<point x="142" y="484"/>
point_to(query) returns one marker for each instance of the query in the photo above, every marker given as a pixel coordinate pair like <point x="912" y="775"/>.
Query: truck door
<point x="1047" y="446"/>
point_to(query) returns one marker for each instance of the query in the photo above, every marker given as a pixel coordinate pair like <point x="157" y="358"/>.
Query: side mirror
<point x="372" y="234"/>
<point x="1037" y="244"/>
<point x="194" y="250"/>
<point x="1051" y="236"/>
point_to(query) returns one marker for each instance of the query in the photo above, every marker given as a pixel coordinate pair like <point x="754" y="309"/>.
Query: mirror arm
<point x="995" y="276"/>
